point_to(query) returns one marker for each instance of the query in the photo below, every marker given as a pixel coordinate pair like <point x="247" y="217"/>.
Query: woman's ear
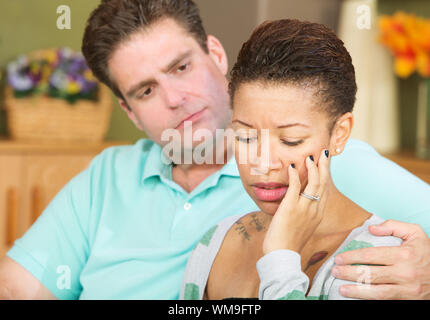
<point x="341" y="133"/>
<point x="217" y="53"/>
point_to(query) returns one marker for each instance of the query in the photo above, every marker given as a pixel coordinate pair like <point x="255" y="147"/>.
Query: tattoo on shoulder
<point x="241" y="229"/>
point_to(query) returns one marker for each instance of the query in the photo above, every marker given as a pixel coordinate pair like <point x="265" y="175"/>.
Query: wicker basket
<point x="45" y="119"/>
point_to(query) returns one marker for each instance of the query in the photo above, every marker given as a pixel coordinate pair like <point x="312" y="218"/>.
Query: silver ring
<point x="316" y="198"/>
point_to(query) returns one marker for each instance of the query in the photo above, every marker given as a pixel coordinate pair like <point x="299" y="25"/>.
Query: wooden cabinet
<point x="407" y="160"/>
<point x="31" y="175"/>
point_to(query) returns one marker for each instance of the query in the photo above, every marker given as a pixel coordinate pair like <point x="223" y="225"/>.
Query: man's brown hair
<point x="114" y="21"/>
<point x="300" y="53"/>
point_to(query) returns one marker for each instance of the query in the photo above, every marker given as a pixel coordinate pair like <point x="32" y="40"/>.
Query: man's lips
<point x="269" y="191"/>
<point x="192" y="117"/>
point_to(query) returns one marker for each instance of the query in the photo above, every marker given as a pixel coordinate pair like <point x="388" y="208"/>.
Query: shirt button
<point x="187" y="206"/>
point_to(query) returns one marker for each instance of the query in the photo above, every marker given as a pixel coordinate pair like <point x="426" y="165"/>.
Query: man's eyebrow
<point x="138" y="86"/>
<point x="280" y="127"/>
<point x="178" y="59"/>
<point x="170" y="66"/>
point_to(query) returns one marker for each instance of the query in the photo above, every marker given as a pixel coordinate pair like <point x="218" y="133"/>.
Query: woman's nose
<point x="266" y="162"/>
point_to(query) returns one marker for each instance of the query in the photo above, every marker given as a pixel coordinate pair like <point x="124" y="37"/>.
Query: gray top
<point x="281" y="277"/>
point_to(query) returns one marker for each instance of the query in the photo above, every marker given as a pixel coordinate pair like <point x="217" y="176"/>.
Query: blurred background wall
<point x="27" y="25"/>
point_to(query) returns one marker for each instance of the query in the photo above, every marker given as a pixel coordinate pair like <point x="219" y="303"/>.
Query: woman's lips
<point x="194" y="117"/>
<point x="269" y="191"/>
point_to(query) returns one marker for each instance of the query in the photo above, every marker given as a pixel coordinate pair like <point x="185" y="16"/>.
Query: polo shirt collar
<point x="154" y="166"/>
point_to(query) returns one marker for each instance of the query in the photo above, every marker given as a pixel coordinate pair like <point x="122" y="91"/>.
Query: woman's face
<point x="276" y="125"/>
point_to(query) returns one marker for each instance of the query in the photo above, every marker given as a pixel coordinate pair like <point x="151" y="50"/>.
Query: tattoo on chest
<point x="256" y="222"/>
<point x="316" y="257"/>
<point x="242" y="230"/>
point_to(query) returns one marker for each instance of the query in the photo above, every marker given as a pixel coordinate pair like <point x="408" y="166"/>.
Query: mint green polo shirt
<point x="122" y="229"/>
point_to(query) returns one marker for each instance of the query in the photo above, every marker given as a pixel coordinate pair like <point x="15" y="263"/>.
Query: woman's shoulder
<point x="236" y="231"/>
<point x="361" y="237"/>
<point x="202" y="258"/>
<point x="248" y="225"/>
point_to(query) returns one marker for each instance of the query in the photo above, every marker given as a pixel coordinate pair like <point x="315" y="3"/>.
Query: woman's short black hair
<point x="301" y="53"/>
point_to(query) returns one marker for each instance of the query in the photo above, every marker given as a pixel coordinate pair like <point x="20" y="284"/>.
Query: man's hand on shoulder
<point x="401" y="273"/>
<point x="16" y="283"/>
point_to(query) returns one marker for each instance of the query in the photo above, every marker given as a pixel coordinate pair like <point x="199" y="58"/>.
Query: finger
<point x="324" y="170"/>
<point x="313" y="180"/>
<point x="397" y="229"/>
<point x="293" y="191"/>
<point x="370" y="292"/>
<point x="373" y="255"/>
<point x="366" y="274"/>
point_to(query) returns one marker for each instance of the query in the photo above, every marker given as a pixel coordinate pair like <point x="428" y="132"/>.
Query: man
<point x="124" y="227"/>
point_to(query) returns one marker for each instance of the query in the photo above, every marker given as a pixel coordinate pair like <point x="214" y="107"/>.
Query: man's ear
<point x="130" y="113"/>
<point x="217" y="53"/>
<point x="341" y="133"/>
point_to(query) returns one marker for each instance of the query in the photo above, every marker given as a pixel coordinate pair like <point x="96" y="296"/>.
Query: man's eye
<point x="183" y="67"/>
<point x="292" y="143"/>
<point x="147" y="92"/>
<point x="245" y="140"/>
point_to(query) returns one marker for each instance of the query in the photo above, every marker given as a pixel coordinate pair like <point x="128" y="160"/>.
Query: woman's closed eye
<point x="253" y="139"/>
<point x="246" y="139"/>
<point x="292" y="143"/>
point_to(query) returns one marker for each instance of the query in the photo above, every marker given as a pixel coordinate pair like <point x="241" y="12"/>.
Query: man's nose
<point x="174" y="96"/>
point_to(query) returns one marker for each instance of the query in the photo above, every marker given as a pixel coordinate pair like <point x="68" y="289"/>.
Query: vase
<point x="423" y="119"/>
<point x="376" y="110"/>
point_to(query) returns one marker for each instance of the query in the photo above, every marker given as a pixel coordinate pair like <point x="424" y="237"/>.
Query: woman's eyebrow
<point x="293" y="125"/>
<point x="279" y="127"/>
<point x="243" y="123"/>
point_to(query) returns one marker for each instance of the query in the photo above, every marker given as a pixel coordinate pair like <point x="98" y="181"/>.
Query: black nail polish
<point x="326" y="153"/>
<point x="311" y="157"/>
<point x="293" y="166"/>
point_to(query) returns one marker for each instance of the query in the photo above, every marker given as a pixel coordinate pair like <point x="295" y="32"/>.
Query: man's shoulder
<point x="124" y="155"/>
<point x="354" y="145"/>
<point x="139" y="148"/>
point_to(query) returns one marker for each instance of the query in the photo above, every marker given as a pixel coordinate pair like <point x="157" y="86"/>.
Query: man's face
<point x="166" y="77"/>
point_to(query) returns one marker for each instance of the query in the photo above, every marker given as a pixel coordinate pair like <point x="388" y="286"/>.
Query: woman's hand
<point x="297" y="217"/>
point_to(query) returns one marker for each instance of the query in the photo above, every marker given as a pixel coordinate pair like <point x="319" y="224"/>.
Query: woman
<point x="293" y="90"/>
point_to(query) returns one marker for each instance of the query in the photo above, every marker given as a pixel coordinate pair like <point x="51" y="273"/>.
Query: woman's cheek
<point x="303" y="174"/>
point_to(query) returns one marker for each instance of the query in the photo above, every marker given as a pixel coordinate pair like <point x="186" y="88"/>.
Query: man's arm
<point x="402" y="272"/>
<point x="16" y="283"/>
<point x="55" y="247"/>
<point x="382" y="187"/>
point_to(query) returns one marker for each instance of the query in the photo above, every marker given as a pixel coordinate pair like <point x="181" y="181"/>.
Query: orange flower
<point x="404" y="66"/>
<point x="407" y="37"/>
